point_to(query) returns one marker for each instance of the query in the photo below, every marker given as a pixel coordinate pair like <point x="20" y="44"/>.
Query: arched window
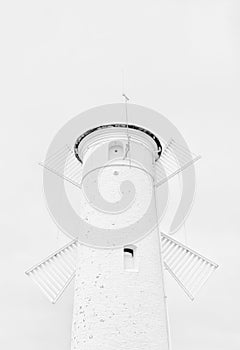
<point x="129" y="257"/>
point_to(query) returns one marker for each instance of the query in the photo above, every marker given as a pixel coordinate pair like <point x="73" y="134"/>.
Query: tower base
<point x="119" y="304"/>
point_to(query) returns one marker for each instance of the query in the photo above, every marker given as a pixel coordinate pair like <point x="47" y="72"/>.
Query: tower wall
<point x="119" y="309"/>
<point x="119" y="301"/>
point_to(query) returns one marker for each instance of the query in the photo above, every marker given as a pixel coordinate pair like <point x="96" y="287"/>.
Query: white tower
<point x="119" y="291"/>
<point x="108" y="189"/>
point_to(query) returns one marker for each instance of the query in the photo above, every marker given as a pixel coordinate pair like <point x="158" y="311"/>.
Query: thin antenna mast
<point x="126" y="99"/>
<point x="128" y="137"/>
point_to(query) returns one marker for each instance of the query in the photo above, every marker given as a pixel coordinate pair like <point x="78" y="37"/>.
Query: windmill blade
<point x="63" y="163"/>
<point x="54" y="273"/>
<point x="190" y="269"/>
<point x="174" y="159"/>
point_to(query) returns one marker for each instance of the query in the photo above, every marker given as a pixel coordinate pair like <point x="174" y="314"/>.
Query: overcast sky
<point x="59" y="58"/>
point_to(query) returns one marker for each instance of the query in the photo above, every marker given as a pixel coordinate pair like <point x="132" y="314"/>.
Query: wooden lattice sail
<point x="54" y="273"/>
<point x="63" y="163"/>
<point x="190" y="269"/>
<point x="174" y="159"/>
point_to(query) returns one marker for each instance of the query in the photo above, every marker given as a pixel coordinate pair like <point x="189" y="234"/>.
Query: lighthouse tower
<point x="107" y="187"/>
<point x="119" y="301"/>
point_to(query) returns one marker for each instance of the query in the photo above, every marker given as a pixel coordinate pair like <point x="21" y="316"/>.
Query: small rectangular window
<point x="129" y="258"/>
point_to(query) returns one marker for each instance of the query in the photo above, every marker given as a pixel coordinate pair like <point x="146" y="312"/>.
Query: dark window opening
<point x="129" y="257"/>
<point x="129" y="250"/>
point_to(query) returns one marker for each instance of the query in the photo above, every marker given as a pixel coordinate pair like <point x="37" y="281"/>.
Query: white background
<point x="59" y="58"/>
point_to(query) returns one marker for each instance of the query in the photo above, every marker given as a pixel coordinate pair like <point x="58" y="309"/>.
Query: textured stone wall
<point x="116" y="308"/>
<point x="119" y="309"/>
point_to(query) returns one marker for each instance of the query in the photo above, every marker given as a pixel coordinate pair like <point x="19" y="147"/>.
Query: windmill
<point x="107" y="183"/>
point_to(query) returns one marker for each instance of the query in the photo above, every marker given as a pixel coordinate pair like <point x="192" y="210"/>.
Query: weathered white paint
<point x="117" y="307"/>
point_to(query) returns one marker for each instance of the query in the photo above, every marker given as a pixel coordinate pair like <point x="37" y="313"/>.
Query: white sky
<point x="59" y="58"/>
